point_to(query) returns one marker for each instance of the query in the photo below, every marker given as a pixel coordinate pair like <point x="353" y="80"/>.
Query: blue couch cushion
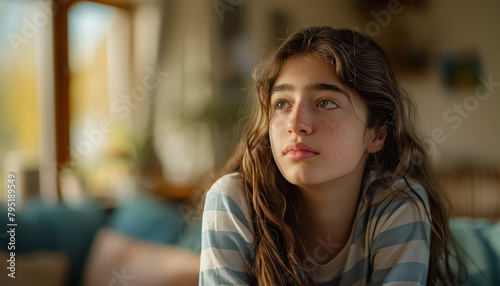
<point x="150" y="219"/>
<point x="480" y="239"/>
<point x="69" y="229"/>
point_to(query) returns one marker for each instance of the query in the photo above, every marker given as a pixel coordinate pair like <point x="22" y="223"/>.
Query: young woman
<point x="331" y="184"/>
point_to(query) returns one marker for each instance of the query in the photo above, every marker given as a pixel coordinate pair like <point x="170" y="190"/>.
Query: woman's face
<point x="315" y="130"/>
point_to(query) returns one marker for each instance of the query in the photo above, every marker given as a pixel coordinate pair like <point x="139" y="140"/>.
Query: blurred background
<point x="115" y="110"/>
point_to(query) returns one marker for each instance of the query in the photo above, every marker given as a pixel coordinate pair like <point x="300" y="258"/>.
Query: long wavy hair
<point x="362" y="66"/>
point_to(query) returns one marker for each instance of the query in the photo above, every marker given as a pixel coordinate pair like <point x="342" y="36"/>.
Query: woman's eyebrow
<point x="326" y="86"/>
<point x="282" y="87"/>
<point x="312" y="86"/>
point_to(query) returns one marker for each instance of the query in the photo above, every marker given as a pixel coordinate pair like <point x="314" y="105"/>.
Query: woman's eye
<point x="328" y="104"/>
<point x="281" y="104"/>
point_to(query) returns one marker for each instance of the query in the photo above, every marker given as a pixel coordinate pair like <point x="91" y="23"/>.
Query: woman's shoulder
<point x="403" y="188"/>
<point x="230" y="185"/>
<point x="228" y="190"/>
<point x="406" y="195"/>
<point x="398" y="209"/>
<point x="226" y="198"/>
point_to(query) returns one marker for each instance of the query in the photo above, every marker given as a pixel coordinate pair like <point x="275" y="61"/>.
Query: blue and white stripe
<point x="389" y="245"/>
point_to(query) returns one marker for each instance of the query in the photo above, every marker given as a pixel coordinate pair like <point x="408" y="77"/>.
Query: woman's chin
<point x="302" y="179"/>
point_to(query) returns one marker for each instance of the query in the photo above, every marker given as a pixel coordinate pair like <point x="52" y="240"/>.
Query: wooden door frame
<point x="62" y="78"/>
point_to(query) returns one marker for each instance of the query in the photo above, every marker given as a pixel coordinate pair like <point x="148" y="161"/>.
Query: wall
<point x="442" y="27"/>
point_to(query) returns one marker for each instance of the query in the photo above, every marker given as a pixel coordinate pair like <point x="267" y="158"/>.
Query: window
<point x="23" y="32"/>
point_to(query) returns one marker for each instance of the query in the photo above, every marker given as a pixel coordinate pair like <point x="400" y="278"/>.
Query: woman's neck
<point x="327" y="212"/>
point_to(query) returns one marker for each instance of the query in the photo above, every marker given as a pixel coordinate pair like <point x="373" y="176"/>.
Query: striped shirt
<point x="388" y="245"/>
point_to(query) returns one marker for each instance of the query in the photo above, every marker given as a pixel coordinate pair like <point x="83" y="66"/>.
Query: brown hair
<point x="362" y="66"/>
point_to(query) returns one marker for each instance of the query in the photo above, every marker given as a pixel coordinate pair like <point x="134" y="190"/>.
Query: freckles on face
<point x="277" y="133"/>
<point x="311" y="107"/>
<point x="337" y="135"/>
<point x="331" y="128"/>
<point x="277" y="126"/>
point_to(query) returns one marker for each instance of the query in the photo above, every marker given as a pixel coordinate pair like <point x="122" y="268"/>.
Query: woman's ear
<point x="376" y="142"/>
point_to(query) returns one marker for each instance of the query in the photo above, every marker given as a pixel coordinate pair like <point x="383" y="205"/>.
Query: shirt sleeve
<point x="227" y="235"/>
<point x="401" y="242"/>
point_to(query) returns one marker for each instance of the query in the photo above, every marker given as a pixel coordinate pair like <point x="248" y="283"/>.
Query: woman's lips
<point x="297" y="151"/>
<point x="296" y="155"/>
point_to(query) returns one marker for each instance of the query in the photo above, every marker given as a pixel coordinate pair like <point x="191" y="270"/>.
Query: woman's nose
<point x="300" y="122"/>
